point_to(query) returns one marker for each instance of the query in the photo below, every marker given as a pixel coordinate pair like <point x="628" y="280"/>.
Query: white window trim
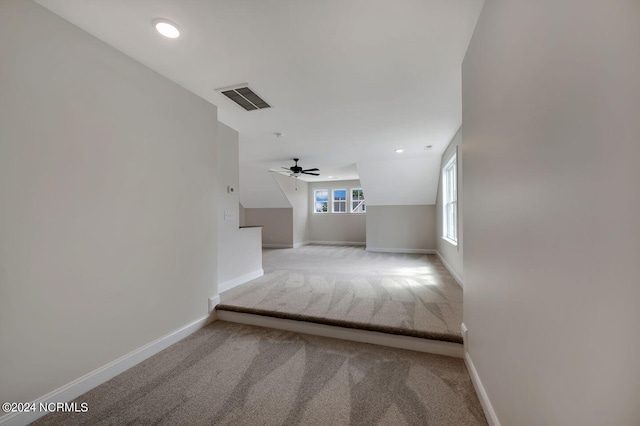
<point x="315" y="198"/>
<point x="333" y="200"/>
<point x="351" y="201"/>
<point x="450" y="192"/>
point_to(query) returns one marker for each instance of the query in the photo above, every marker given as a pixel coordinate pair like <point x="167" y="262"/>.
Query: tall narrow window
<point x="450" y="200"/>
<point x="339" y="201"/>
<point x="321" y="201"/>
<point x="357" y="201"/>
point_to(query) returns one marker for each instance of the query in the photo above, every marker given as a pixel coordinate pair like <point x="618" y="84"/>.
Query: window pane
<point x="357" y="200"/>
<point x="449" y="199"/>
<point x="321" y="200"/>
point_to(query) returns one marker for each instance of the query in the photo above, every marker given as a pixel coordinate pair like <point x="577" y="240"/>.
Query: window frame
<point x="450" y="200"/>
<point x="362" y="202"/>
<point x="333" y="200"/>
<point x="315" y="201"/>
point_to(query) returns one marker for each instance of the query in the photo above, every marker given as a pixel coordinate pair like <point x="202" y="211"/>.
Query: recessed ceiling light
<point x="399" y="150"/>
<point x="166" y="28"/>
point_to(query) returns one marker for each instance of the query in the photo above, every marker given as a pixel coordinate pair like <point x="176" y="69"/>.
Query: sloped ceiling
<point x="400" y="182"/>
<point x="349" y="81"/>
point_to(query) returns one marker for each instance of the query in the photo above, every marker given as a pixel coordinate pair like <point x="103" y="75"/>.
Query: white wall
<point x="401" y="228"/>
<point x="336" y="227"/>
<point x="277" y="225"/>
<point x="107" y="188"/>
<point x="408" y="180"/>
<point x="260" y="188"/>
<point x="297" y="192"/>
<point x="551" y="100"/>
<point x="452" y="254"/>
<point x="239" y="250"/>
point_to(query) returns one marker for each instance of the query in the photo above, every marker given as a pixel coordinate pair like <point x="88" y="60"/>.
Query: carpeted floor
<point x="231" y="374"/>
<point x="407" y="294"/>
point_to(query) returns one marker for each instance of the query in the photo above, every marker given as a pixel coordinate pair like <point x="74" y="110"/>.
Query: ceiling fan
<point x="296" y="170"/>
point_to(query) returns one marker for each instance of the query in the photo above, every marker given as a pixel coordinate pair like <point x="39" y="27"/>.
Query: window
<point x="339" y="201"/>
<point x="450" y="201"/>
<point x="357" y="201"/>
<point x="321" y="200"/>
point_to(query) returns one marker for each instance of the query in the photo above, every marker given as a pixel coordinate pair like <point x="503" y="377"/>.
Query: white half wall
<point x="401" y="228"/>
<point x="239" y="249"/>
<point x="107" y="187"/>
<point x="551" y="101"/>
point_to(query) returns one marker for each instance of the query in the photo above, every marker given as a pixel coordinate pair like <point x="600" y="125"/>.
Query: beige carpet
<point x="231" y="374"/>
<point x="408" y="294"/>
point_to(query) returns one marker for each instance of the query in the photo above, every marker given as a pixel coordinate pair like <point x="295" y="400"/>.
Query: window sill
<point x="450" y="241"/>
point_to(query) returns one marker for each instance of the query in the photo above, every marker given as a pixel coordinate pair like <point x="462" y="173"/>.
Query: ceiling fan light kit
<point x="297" y="171"/>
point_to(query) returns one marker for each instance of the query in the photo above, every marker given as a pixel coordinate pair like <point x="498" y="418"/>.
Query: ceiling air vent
<point x="245" y="97"/>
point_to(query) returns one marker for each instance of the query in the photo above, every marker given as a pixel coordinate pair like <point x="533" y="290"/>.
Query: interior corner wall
<point x="277" y="225"/>
<point x="550" y="103"/>
<point x="297" y="192"/>
<point x="108" y="189"/>
<point x="341" y="228"/>
<point x="452" y="254"/>
<point x="401" y="228"/>
<point x="239" y="249"/>
<point x="241" y="215"/>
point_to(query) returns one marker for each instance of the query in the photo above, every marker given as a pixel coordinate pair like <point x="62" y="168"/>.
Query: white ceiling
<point x="349" y="81"/>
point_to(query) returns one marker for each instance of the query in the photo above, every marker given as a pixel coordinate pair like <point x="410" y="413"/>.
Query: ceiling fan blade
<point x="286" y="168"/>
<point x="312" y="170"/>
<point x="307" y="173"/>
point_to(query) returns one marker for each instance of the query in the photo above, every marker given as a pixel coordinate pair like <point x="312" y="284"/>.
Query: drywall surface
<point x="297" y="192"/>
<point x="407" y="180"/>
<point x="108" y="206"/>
<point x="277" y="225"/>
<point x="241" y="215"/>
<point x="452" y="254"/>
<point x="551" y="100"/>
<point x="263" y="190"/>
<point x="239" y="250"/>
<point x="410" y="228"/>
<point x="336" y="227"/>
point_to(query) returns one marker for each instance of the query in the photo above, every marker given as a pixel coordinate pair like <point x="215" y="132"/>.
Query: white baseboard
<point x="451" y="271"/>
<point x="336" y="243"/>
<point x="267" y="245"/>
<point x="97" y="377"/>
<point x="304" y="243"/>
<point x="364" y="336"/>
<point x="400" y="250"/>
<point x="228" y="285"/>
<point x="489" y="412"/>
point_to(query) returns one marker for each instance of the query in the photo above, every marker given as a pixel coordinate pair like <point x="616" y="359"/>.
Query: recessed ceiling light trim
<point x="166" y="27"/>
<point x="242" y="95"/>
<point x="399" y="151"/>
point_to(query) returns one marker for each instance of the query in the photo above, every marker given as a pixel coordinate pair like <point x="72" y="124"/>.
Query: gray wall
<point x="297" y="192"/>
<point x="451" y="254"/>
<point x="551" y="100"/>
<point x="107" y="182"/>
<point x="401" y="228"/>
<point x="336" y="227"/>
<point x="277" y="225"/>
<point x="239" y="250"/>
